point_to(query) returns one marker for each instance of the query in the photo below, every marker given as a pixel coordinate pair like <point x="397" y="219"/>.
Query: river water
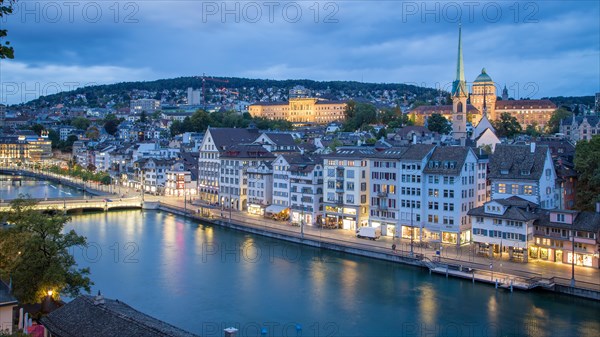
<point x="11" y="187"/>
<point x="204" y="278"/>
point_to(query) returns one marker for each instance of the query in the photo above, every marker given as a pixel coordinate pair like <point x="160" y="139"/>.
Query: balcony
<point x="382" y="207"/>
<point x="339" y="189"/>
<point x="382" y="194"/>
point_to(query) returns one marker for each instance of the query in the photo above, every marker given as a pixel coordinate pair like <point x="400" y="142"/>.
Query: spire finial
<point x="459" y="85"/>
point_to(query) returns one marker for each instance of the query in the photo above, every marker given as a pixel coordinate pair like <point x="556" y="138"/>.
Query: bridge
<point x="71" y="205"/>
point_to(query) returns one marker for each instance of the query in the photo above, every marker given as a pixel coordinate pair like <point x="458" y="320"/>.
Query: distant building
<point x="7" y="303"/>
<point x="528" y="112"/>
<point x="580" y="127"/>
<point x="597" y="103"/>
<point x="301" y="110"/>
<point x="145" y="104"/>
<point x="25" y="149"/>
<point x="194" y="97"/>
<point x="299" y="92"/>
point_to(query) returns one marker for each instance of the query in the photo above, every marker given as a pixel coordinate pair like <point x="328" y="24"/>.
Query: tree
<point x="553" y="124"/>
<point x="507" y="125"/>
<point x="35" y="253"/>
<point x="438" y="123"/>
<point x="143" y="117"/>
<point x="588" y="167"/>
<point x="359" y="115"/>
<point x="6" y="51"/>
<point x="92" y="133"/>
<point x="111" y="124"/>
<point x="37" y="128"/>
<point x="81" y="123"/>
<point x="532" y="130"/>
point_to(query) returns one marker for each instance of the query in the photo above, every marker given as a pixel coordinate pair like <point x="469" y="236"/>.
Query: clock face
<point x="459" y="117"/>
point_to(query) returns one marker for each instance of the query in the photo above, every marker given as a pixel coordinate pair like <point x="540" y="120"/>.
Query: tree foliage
<point x="80" y="123"/>
<point x="111" y="124"/>
<point x="6" y="51"/>
<point x="553" y="124"/>
<point x="35" y="254"/>
<point x="201" y="120"/>
<point x="588" y="167"/>
<point x="438" y="123"/>
<point x="507" y="125"/>
<point x="359" y="115"/>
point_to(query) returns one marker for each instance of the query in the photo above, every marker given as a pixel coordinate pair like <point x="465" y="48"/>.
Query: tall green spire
<point x="459" y="86"/>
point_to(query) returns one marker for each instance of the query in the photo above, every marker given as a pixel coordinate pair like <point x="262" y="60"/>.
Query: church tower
<point x="459" y="98"/>
<point x="483" y="93"/>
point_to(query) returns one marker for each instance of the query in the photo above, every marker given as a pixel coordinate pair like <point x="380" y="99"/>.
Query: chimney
<point x="99" y="299"/>
<point x="598" y="207"/>
<point x="414" y="138"/>
<point x="532" y="147"/>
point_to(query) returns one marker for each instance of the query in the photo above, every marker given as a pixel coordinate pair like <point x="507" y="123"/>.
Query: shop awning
<point x="274" y="209"/>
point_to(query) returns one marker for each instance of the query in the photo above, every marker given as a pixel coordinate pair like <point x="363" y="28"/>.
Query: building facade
<point x="345" y="188"/>
<point x="301" y="110"/>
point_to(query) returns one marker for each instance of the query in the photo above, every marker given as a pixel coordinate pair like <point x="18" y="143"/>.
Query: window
<point x="560" y="217"/>
<point x="479" y="219"/>
<point x="350" y="186"/>
<point x="528" y="190"/>
<point x="501" y="188"/>
<point x="514" y="188"/>
<point x="350" y="174"/>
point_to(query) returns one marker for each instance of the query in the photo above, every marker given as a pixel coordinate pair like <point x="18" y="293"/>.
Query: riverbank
<point x="67" y="181"/>
<point x="502" y="280"/>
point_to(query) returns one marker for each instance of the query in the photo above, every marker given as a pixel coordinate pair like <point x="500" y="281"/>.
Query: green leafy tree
<point x="54" y="137"/>
<point x="359" y="115"/>
<point x="553" y="124"/>
<point x="507" y="125"/>
<point x="92" y="133"/>
<point x="81" y="123"/>
<point x="588" y="167"/>
<point x="6" y="51"/>
<point x="35" y="253"/>
<point x="438" y="123"/>
<point x="532" y="130"/>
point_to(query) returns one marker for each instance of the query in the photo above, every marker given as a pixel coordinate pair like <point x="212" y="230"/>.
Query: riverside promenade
<point x="449" y="260"/>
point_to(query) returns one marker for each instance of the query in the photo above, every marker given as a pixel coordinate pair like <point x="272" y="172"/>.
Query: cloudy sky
<point x="536" y="48"/>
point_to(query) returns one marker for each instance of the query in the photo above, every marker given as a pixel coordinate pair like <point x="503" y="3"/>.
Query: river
<point x="205" y="278"/>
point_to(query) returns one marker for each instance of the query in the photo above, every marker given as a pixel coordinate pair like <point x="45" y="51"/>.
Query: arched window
<point x="459" y="107"/>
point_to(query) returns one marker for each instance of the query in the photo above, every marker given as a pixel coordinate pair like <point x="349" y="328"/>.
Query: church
<point x="482" y="104"/>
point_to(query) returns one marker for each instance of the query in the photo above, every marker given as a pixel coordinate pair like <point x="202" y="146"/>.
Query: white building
<point x="452" y="181"/>
<point x="193" y="96"/>
<point x="151" y="173"/>
<point x="215" y="142"/>
<point x="396" y="188"/>
<point x="103" y="158"/>
<point x="306" y="191"/>
<point x="260" y="187"/>
<point x="145" y="104"/>
<point x="526" y="171"/>
<point x="65" y="131"/>
<point x="345" y="188"/>
<point x="235" y="162"/>
<point x="504" y="226"/>
<point x="179" y="182"/>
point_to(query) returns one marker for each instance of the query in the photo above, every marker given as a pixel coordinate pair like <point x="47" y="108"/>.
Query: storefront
<point x="586" y="260"/>
<point x="409" y="232"/>
<point x="341" y="217"/>
<point x="297" y="217"/>
<point x="256" y="209"/>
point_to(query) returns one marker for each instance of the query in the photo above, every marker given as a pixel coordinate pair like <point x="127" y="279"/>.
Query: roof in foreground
<point x="83" y="317"/>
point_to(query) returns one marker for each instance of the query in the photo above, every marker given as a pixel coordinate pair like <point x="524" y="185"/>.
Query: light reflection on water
<point x="38" y="189"/>
<point x="205" y="278"/>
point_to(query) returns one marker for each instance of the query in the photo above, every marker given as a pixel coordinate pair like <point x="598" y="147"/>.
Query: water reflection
<point x="194" y="279"/>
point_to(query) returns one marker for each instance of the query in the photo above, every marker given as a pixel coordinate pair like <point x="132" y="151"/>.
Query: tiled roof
<point x="517" y="161"/>
<point x="525" y="104"/>
<point x="281" y="139"/>
<point x="587" y="221"/>
<point x="592" y="120"/>
<point x="226" y="137"/>
<point x="447" y="160"/>
<point x="247" y="151"/>
<point x="517" y="209"/>
<point x="350" y="152"/>
<point x="82" y="317"/>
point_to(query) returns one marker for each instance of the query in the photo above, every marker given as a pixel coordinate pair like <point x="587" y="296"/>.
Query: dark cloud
<point x="554" y="44"/>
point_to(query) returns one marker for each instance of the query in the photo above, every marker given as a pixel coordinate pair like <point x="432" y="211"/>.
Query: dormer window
<point x="560" y="217"/>
<point x="504" y="171"/>
<point x="525" y="172"/>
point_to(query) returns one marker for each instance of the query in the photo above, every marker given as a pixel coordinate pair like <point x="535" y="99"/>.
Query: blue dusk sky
<point x="535" y="48"/>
